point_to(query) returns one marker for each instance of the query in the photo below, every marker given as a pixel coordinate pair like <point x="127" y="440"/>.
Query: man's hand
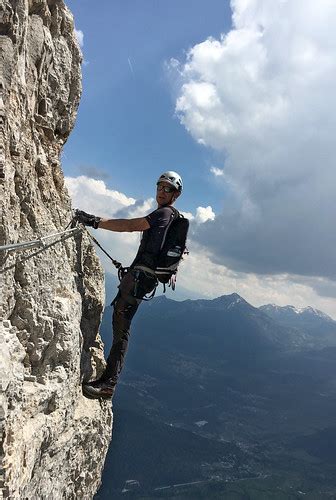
<point x="87" y="219"/>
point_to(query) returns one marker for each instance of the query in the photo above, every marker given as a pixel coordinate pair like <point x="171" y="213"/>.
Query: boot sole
<point x="90" y="395"/>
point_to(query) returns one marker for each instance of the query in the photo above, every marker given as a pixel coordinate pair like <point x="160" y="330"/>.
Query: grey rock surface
<point x="53" y="441"/>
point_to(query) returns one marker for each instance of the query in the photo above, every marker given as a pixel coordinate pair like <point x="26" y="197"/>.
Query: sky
<point x="238" y="97"/>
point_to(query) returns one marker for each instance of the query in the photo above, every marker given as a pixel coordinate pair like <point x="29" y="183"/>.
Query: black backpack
<point x="173" y="248"/>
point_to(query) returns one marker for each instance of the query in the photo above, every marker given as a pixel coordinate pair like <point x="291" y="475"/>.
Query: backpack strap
<point x="176" y="214"/>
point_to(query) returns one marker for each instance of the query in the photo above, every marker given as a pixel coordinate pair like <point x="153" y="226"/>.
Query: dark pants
<point x="133" y="287"/>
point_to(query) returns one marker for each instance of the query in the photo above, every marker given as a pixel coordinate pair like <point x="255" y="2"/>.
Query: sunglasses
<point x="166" y="189"/>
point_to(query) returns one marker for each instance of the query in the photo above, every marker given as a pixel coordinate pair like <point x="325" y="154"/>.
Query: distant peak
<point x="235" y="296"/>
<point x="300" y="311"/>
<point x="230" y="300"/>
<point x="316" y="312"/>
<point x="232" y="296"/>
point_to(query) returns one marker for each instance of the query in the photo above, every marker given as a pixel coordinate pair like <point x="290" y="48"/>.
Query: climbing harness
<point x="123" y="270"/>
<point x="137" y="271"/>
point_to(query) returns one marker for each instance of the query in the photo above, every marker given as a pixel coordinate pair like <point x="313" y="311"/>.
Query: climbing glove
<point x="87" y="219"/>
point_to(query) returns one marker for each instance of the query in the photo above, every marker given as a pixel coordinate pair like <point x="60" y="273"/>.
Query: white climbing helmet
<point x="173" y="178"/>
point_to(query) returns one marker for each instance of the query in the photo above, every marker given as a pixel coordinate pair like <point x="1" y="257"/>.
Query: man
<point x="140" y="278"/>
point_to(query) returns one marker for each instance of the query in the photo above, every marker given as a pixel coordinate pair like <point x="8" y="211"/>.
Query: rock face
<point x="53" y="440"/>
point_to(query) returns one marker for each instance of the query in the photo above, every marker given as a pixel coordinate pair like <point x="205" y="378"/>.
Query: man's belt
<point x="146" y="269"/>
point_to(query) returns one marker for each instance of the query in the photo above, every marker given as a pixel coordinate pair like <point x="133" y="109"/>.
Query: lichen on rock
<point x="53" y="440"/>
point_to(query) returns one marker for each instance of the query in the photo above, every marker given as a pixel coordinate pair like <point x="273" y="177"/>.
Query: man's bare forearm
<point x="124" y="225"/>
<point x="119" y="225"/>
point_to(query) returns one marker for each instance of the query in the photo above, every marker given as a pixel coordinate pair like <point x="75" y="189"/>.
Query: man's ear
<point x="176" y="195"/>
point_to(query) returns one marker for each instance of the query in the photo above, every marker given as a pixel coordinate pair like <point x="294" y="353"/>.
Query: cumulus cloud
<point x="204" y="214"/>
<point x="263" y="94"/>
<point x="92" y="194"/>
<point x="80" y="37"/>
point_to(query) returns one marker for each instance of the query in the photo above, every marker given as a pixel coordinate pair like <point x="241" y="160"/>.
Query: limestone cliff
<point x="53" y="440"/>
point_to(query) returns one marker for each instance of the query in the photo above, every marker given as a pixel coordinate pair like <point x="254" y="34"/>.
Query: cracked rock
<point x="53" y="440"/>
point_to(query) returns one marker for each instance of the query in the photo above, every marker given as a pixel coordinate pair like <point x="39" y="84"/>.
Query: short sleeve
<point x="160" y="217"/>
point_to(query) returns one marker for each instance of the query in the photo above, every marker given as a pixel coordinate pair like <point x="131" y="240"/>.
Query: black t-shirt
<point x="152" y="238"/>
<point x="158" y="221"/>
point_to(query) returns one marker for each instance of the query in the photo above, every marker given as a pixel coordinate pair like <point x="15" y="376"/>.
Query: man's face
<point x="163" y="197"/>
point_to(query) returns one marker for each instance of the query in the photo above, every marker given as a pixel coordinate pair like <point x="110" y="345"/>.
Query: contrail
<point x="130" y="65"/>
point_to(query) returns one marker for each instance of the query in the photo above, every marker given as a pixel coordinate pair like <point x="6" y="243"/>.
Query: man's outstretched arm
<point x="119" y="225"/>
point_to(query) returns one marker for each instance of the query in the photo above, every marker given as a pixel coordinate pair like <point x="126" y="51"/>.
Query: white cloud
<point x="188" y="215"/>
<point x="218" y="172"/>
<point x="264" y="95"/>
<point x="204" y="214"/>
<point x="93" y="195"/>
<point x="80" y="37"/>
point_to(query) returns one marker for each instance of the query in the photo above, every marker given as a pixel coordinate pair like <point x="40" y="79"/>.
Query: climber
<point x="139" y="279"/>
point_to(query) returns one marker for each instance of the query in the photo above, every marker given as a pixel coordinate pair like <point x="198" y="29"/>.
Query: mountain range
<point x="259" y="382"/>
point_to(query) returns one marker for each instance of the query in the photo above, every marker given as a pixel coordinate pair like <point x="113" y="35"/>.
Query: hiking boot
<point x="98" y="389"/>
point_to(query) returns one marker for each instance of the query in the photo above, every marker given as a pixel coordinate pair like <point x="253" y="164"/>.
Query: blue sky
<point x="239" y="98"/>
<point x="126" y="125"/>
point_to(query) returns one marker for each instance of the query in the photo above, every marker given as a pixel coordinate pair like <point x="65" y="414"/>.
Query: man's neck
<point x="166" y="205"/>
